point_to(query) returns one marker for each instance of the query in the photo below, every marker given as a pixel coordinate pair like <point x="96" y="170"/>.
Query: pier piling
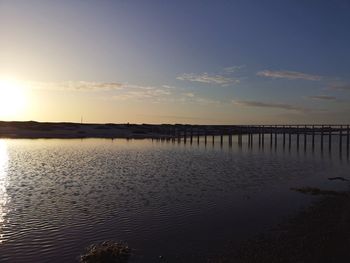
<point x="276" y="132"/>
<point x="322" y="133"/>
<point x="341" y="138"/>
<point x="330" y="138"/>
<point x="305" y="137"/>
<point x="313" y="137"/>
<point x="298" y="137"/>
<point x="290" y="137"/>
<point x="263" y="136"/>
<point x="347" y="139"/>
<point x="271" y="134"/>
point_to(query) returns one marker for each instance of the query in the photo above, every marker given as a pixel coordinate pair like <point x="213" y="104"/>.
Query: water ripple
<point x="58" y="196"/>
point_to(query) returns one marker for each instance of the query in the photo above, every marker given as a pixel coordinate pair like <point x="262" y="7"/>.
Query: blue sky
<point x="181" y="61"/>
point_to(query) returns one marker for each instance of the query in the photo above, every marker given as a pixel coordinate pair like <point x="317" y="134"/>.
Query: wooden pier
<point x="302" y="135"/>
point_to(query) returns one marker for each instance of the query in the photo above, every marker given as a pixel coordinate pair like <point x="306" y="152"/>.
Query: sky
<point x="196" y="62"/>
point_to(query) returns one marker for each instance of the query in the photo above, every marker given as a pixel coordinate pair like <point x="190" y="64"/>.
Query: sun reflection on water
<point x="3" y="183"/>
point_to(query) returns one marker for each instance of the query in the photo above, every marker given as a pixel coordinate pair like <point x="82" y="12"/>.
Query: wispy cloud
<point x="280" y="106"/>
<point x="340" y="87"/>
<point x="223" y="78"/>
<point x="188" y="94"/>
<point x="136" y="92"/>
<point x="208" y="78"/>
<point x="75" y="86"/>
<point x="322" y="97"/>
<point x="125" y="92"/>
<point x="190" y="98"/>
<point x="206" y="101"/>
<point x="168" y="87"/>
<point x="116" y="90"/>
<point x="233" y="69"/>
<point x="284" y="74"/>
<point x="162" y="94"/>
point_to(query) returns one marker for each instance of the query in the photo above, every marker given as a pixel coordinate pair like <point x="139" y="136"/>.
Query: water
<point x="177" y="200"/>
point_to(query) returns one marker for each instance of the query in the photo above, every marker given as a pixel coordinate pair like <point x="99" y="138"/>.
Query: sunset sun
<point x="12" y="98"/>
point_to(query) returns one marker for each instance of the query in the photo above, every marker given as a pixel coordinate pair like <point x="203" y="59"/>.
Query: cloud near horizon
<point x="281" y="106"/>
<point x="322" y="97"/>
<point x="285" y="74"/>
<point x="340" y="87"/>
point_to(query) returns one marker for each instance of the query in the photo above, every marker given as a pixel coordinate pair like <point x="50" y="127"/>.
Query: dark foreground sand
<point x="320" y="233"/>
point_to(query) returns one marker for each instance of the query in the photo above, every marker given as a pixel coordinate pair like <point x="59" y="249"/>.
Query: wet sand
<point x="320" y="233"/>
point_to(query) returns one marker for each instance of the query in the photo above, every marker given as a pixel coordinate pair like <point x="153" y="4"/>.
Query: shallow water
<point x="177" y="200"/>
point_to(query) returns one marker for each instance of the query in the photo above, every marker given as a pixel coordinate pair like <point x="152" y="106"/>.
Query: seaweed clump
<point x="106" y="252"/>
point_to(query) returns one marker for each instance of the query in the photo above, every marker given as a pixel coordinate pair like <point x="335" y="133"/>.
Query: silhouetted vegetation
<point x="106" y="252"/>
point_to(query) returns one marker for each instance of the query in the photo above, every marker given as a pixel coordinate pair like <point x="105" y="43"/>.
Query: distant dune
<point x="33" y="129"/>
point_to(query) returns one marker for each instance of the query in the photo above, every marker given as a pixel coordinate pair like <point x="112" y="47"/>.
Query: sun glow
<point x="12" y="99"/>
